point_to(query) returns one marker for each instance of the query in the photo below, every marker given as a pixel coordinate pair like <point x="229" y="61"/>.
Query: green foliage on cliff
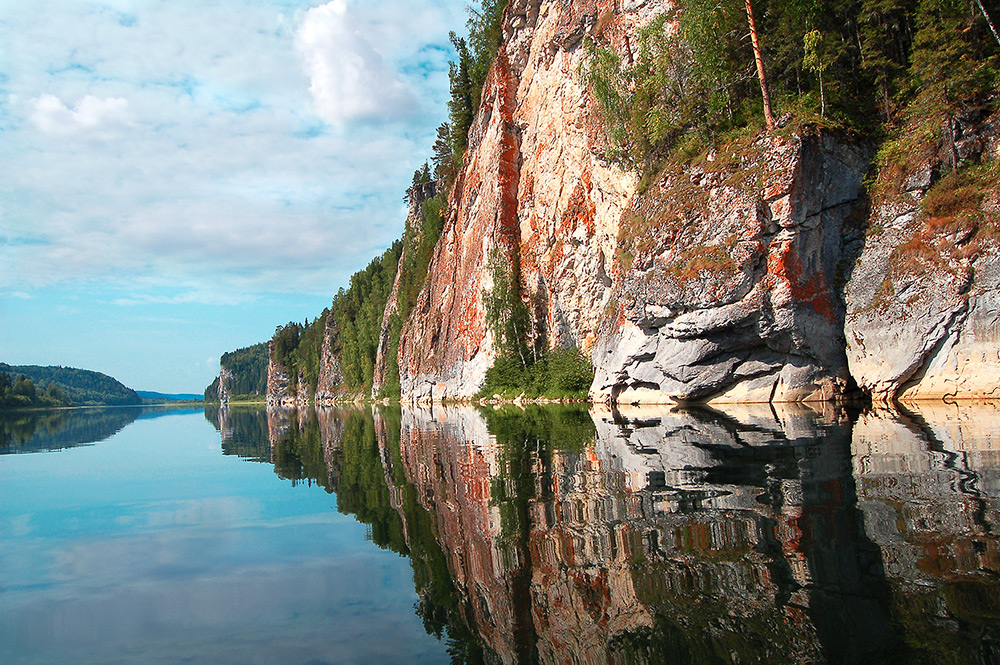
<point x="357" y="317"/>
<point x="523" y="364"/>
<point x="34" y="386"/>
<point x="952" y="75"/>
<point x="563" y="374"/>
<point x="466" y="79"/>
<point x="358" y="312"/>
<point x="249" y="369"/>
<point x="691" y="76"/>
<point x="419" y="241"/>
<point x="506" y="315"/>
<point x="298" y="349"/>
<point x="212" y="391"/>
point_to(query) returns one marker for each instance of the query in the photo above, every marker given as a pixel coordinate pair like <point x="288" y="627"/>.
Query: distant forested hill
<point x="61" y="386"/>
<point x="152" y="397"/>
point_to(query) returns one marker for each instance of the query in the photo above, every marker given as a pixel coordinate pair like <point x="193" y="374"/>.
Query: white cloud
<point x="350" y="79"/>
<point x="230" y="182"/>
<point x="92" y="115"/>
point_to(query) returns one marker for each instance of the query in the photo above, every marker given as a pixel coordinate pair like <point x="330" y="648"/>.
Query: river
<point x="463" y="534"/>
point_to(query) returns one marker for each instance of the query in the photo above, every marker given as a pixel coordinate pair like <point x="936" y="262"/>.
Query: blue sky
<point x="179" y="177"/>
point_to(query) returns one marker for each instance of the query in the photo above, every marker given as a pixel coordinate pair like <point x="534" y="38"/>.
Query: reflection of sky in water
<point x="153" y="547"/>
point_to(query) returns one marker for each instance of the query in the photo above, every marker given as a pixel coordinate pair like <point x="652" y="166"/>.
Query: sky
<point x="179" y="177"/>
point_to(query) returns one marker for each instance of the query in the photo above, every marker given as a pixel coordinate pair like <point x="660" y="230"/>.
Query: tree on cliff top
<point x="761" y="70"/>
<point x="467" y="75"/>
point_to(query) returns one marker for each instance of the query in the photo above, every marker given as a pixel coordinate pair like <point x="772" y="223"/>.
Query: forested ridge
<point x="903" y="72"/>
<point x="34" y="386"/>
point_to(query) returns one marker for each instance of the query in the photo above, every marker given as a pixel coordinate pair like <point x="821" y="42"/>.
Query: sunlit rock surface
<point x="280" y="391"/>
<point x="727" y="290"/>
<point x="923" y="299"/>
<point x="534" y="189"/>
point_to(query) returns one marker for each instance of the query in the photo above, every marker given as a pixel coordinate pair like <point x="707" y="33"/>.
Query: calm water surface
<point x="460" y="534"/>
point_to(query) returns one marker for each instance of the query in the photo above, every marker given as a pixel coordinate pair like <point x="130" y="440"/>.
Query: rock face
<point x="924" y="299"/>
<point x="533" y="190"/>
<point x="279" y="390"/>
<point x="225" y="378"/>
<point x="330" y="386"/>
<point x="715" y="283"/>
<point x="727" y="285"/>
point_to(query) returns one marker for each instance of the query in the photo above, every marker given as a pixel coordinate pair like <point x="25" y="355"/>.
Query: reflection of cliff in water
<point x="559" y="535"/>
<point x="57" y="429"/>
<point x="243" y="430"/>
<point x="670" y="536"/>
<point x="356" y="454"/>
<point x="929" y="491"/>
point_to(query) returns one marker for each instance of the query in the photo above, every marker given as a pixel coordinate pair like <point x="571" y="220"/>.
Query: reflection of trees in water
<point x="243" y="429"/>
<point x="558" y="535"/>
<point x="47" y="430"/>
<point x="355" y="453"/>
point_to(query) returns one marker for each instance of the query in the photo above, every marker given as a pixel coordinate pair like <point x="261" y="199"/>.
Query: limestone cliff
<point x="743" y="276"/>
<point x="726" y="288"/>
<point x="717" y="282"/>
<point x="924" y="300"/>
<point x="330" y="386"/>
<point x="534" y="190"/>
<point x="225" y="380"/>
<point x="760" y="271"/>
<point x="280" y="389"/>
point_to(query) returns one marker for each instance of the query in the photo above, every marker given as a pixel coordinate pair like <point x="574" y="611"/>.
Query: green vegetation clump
<point x="21" y="386"/>
<point x="21" y="392"/>
<point x="690" y="79"/>
<point x="563" y="374"/>
<point x="419" y="242"/>
<point x="523" y="365"/>
<point x="357" y="314"/>
<point x="506" y="315"/>
<point x="248" y="368"/>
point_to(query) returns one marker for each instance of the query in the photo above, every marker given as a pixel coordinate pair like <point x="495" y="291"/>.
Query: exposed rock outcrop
<point x="280" y="390"/>
<point x="727" y="285"/>
<point x="924" y="299"/>
<point x="534" y="190"/>
<point x="330" y="386"/>
<point x="756" y="273"/>
<point x="225" y="380"/>
<point x="718" y="282"/>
